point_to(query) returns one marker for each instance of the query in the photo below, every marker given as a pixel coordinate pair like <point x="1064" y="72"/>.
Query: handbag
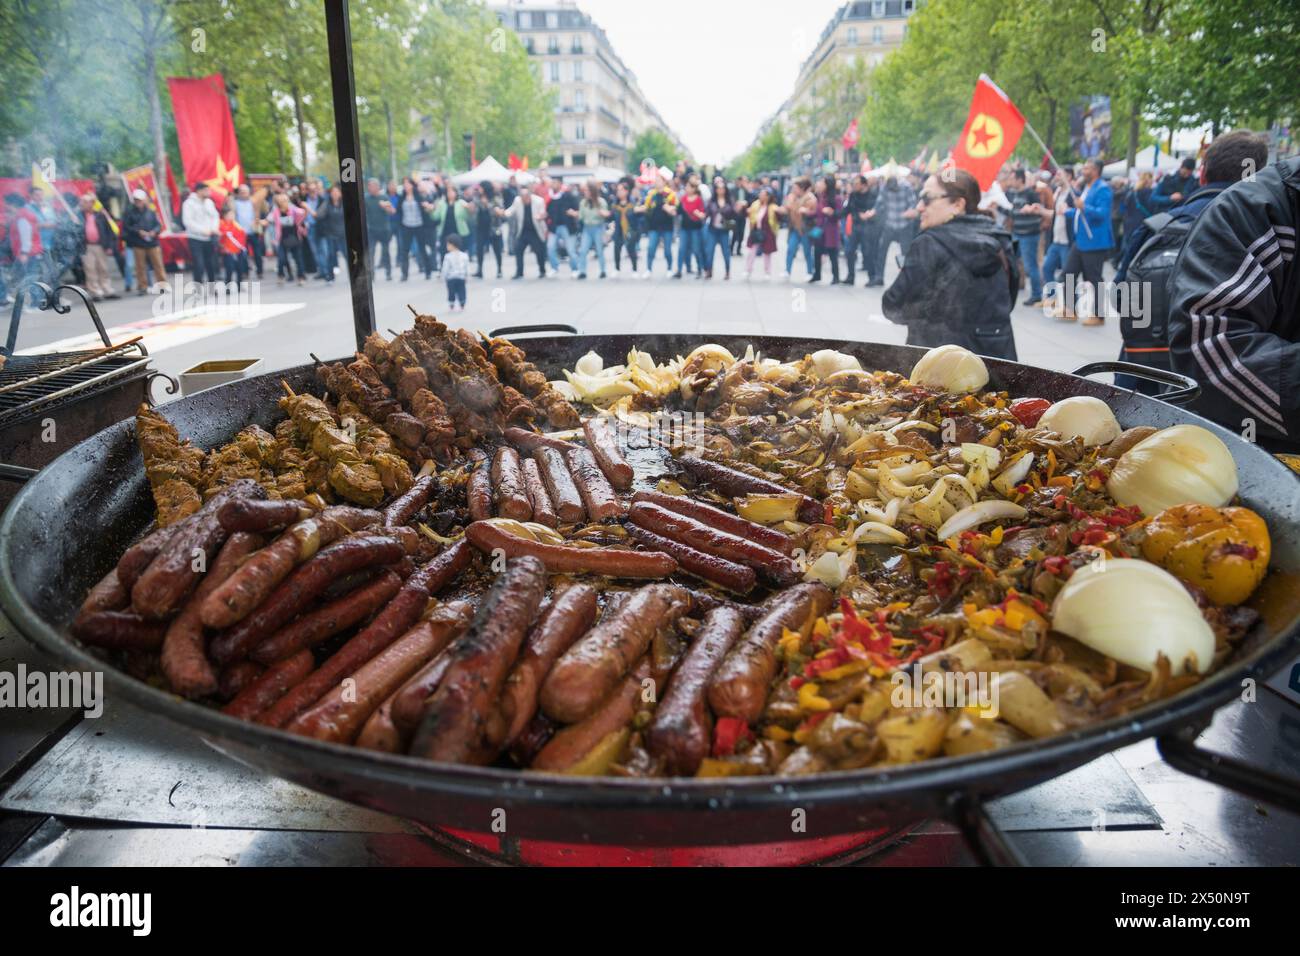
<point x="815" y="233"/>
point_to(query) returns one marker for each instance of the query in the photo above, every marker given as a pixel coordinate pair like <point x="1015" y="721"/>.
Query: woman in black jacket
<point x="959" y="279"/>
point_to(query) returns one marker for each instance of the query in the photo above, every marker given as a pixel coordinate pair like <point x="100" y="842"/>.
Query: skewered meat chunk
<point x="516" y="371"/>
<point x="174" y="467"/>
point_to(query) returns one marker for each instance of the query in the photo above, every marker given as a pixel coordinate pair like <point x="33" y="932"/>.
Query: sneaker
<point x="1093" y="320"/>
<point x="582" y="275"/>
<point x="602" y="275"/>
<point x="1030" y="303"/>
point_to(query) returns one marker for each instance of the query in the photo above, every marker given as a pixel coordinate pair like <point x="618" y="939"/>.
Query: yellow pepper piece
<point x="810" y="700"/>
<point x="776" y="732"/>
<point x="598" y="760"/>
<point x="1222" y="551"/>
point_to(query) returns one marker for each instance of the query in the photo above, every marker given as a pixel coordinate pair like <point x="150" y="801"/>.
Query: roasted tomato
<point x="1029" y="410"/>
<point x="1222" y="551"/>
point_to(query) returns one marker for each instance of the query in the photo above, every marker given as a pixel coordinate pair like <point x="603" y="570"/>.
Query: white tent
<point x="890" y="169"/>
<point x="1146" y="159"/>
<point x="493" y="172"/>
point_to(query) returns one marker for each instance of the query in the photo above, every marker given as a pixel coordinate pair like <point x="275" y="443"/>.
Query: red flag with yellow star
<point x="206" y="133"/>
<point x="992" y="131"/>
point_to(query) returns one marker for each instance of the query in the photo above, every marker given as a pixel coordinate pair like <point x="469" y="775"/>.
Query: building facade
<point x="862" y="33"/>
<point x="599" y="110"/>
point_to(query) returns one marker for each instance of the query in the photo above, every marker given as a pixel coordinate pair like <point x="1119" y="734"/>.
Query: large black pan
<point x="69" y="524"/>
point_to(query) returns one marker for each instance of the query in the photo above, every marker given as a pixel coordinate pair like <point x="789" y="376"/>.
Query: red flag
<point x="850" y="137"/>
<point x="142" y="177"/>
<point x="512" y="162"/>
<point x="990" y="135"/>
<point x="206" y="133"/>
<point x="173" y="192"/>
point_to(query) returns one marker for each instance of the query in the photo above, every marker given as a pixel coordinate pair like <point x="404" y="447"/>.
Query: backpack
<point x="1153" y="266"/>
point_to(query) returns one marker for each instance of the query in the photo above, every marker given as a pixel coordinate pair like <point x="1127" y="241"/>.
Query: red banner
<point x="850" y="137"/>
<point x="991" y="133"/>
<point x="206" y="133"/>
<point x="142" y="177"/>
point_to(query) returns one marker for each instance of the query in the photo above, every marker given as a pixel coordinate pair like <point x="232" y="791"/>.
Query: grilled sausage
<point x="722" y="520"/>
<point x="250" y="514"/>
<point x="108" y="594"/>
<point x="270" y="686"/>
<point x="478" y="490"/>
<point x="569" y="615"/>
<point x="590" y="670"/>
<point x="508" y="490"/>
<point x="173" y="574"/>
<point x="597" y="494"/>
<point x="260" y="574"/>
<point x="733" y="483"/>
<point x="184" y="660"/>
<point x="453" y="724"/>
<point x="528" y="441"/>
<point x="339" y="715"/>
<point x="682" y="729"/>
<point x="329" y="619"/>
<point x="559" y="485"/>
<point x="603" y="444"/>
<point x="235" y="677"/>
<point x="136" y="558"/>
<point x="408" y="504"/>
<point x="408" y="702"/>
<point x="393" y="621"/>
<point x="379" y="732"/>
<point x="300" y="588"/>
<point x="612" y="562"/>
<point x="710" y="567"/>
<point x="773" y="566"/>
<point x="740" y="685"/>
<point x="119" y="631"/>
<point x="538" y="497"/>
<point x="570" y="745"/>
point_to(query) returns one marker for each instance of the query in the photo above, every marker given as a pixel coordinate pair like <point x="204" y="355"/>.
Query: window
<point x="555" y="71"/>
<point x="852" y="35"/>
<point x="525" y="20"/>
<point x="579" y="100"/>
<point x="553" y="45"/>
<point x="577" y="71"/>
<point x="576" y="44"/>
<point x="528" y="44"/>
<point x="877" y="34"/>
<point x="908" y="6"/>
<point x="579" y="131"/>
<point x="552" y="20"/>
<point x="877" y="8"/>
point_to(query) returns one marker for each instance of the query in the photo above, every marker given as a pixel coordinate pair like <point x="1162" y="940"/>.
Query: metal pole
<point x="348" y="137"/>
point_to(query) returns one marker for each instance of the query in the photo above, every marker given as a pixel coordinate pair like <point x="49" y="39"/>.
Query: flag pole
<point x="1052" y="159"/>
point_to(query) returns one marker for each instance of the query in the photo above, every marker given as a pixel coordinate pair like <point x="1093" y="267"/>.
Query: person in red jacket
<point x="234" y="246"/>
<point x="24" y="238"/>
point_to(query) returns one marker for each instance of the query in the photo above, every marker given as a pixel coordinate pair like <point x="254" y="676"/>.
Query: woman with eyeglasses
<point x="959" y="278"/>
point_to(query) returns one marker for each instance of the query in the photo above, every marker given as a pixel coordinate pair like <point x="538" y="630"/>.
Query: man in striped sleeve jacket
<point x="1234" y="314"/>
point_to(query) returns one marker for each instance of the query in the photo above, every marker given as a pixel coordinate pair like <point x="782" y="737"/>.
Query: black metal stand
<point x="348" y="134"/>
<point x="1180" y="751"/>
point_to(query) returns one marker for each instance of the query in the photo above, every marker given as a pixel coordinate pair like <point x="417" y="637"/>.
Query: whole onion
<point x="951" y="368"/>
<point x="1184" y="464"/>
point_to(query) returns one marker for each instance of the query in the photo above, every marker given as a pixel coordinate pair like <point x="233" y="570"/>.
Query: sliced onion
<point x="1014" y="473"/>
<point x="876" y="532"/>
<point x="976" y="515"/>
<point x="977" y="454"/>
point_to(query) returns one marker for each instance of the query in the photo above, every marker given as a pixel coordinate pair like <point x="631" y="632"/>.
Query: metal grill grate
<point x="32" y="383"/>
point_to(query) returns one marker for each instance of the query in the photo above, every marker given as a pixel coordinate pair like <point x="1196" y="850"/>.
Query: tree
<point x="772" y="152"/>
<point x="840" y="98"/>
<point x="652" y="143"/>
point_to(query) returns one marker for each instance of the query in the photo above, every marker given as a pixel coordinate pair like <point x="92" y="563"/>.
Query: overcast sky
<point x="714" y="69"/>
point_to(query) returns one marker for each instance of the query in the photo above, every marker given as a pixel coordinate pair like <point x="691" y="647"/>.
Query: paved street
<point x="291" y="321"/>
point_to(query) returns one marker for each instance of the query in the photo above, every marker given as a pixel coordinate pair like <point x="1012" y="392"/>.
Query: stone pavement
<point x="292" y="321"/>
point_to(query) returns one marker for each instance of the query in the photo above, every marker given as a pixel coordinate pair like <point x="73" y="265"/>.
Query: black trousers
<point x="630" y="240"/>
<point x="484" y="243"/>
<point x="834" y="253"/>
<point x="529" y="239"/>
<point x="256" y="251"/>
<point x="738" y="236"/>
<point x="1087" y="265"/>
<point x="428" y="236"/>
<point x="203" y="252"/>
<point x="408" y="236"/>
<point x="379" y="242"/>
<point x="858" y="244"/>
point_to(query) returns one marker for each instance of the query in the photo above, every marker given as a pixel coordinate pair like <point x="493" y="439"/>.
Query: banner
<point x="1090" y="127"/>
<point x="142" y="177"/>
<point x="990" y="135"/>
<point x="850" y="137"/>
<point x="206" y="133"/>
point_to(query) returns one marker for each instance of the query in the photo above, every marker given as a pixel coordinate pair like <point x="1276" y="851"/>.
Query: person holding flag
<point x="97" y="240"/>
<point x="1092" y="244"/>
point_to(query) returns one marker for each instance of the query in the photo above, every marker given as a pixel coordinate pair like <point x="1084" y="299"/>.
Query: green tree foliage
<point x="839" y="99"/>
<point x="77" y="75"/>
<point x="772" y="152"/>
<point x="654" y="144"/>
